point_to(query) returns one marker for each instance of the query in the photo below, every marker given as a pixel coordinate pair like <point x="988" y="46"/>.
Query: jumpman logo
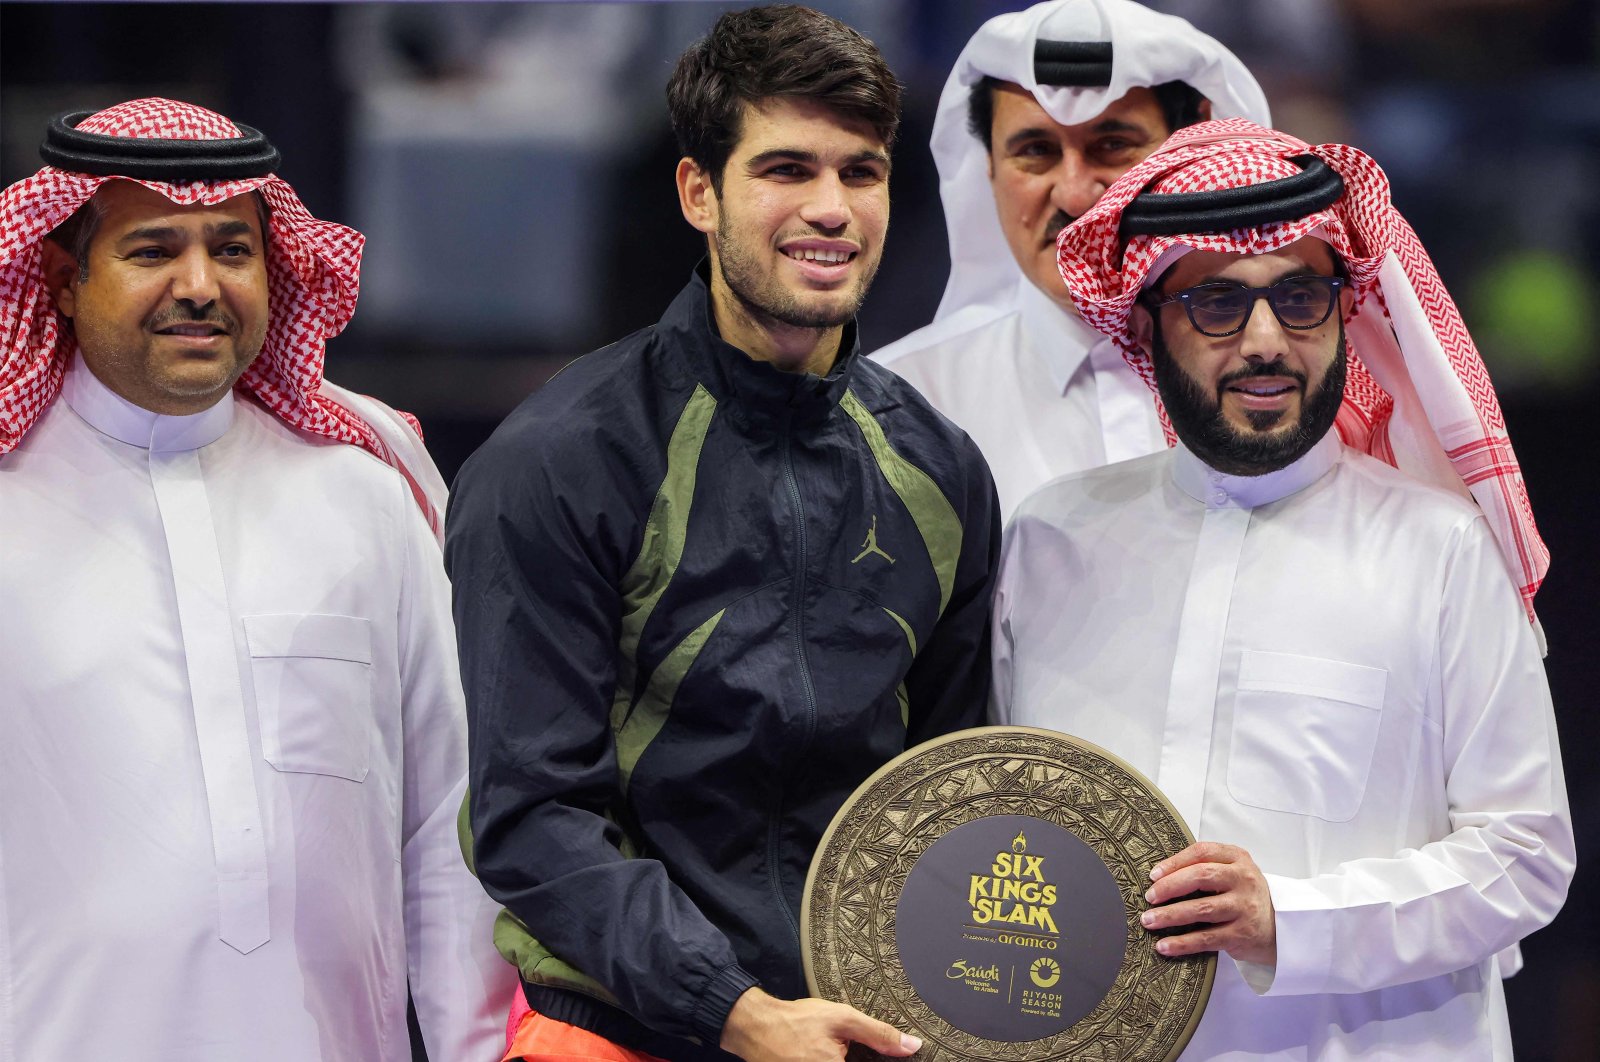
<point x="871" y="543"/>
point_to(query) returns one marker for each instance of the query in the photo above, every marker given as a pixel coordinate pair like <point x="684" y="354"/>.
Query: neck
<point x="786" y="347"/>
<point x="125" y="420"/>
<point x="1059" y="297"/>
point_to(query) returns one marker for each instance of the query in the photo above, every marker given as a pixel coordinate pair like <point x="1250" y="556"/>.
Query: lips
<point x="198" y="330"/>
<point x="1265" y="388"/>
<point x="815" y="254"/>
<point x="823" y="262"/>
<point x="1263" y="392"/>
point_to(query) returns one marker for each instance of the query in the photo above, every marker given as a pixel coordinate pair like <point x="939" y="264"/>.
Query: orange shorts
<point x="541" y="1039"/>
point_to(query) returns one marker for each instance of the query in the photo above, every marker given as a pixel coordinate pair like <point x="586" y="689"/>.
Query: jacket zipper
<point x="797" y="622"/>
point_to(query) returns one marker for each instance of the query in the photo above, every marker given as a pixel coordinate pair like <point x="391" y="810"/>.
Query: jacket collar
<point x="755" y="386"/>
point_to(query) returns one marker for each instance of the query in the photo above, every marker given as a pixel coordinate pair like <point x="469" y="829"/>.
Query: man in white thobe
<point x="1318" y="657"/>
<point x="234" y="738"/>
<point x="1044" y="109"/>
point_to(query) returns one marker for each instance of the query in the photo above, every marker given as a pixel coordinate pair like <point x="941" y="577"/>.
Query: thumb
<point x="880" y="1036"/>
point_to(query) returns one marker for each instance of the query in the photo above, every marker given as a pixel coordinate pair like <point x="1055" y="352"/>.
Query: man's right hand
<point x="762" y="1028"/>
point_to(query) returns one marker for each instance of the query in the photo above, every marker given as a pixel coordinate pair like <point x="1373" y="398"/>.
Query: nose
<point x="1078" y="184"/>
<point x="1264" y="337"/>
<point x="194" y="277"/>
<point x="827" y="206"/>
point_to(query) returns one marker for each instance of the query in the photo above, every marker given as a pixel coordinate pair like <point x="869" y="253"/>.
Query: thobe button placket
<point x="1192" y="697"/>
<point x="211" y="660"/>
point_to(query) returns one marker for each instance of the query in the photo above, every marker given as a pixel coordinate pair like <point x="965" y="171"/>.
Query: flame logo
<point x="1020" y="844"/>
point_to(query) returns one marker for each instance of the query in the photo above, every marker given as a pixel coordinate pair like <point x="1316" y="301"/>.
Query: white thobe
<point x="1039" y="391"/>
<point x="233" y="753"/>
<point x="1328" y="667"/>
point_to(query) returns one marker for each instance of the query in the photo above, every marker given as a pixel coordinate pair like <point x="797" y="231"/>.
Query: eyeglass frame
<point x="1335" y="284"/>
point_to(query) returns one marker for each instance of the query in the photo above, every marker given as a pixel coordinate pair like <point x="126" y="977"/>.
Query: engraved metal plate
<point x="983" y="892"/>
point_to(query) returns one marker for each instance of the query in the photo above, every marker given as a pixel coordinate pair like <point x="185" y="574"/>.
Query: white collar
<point x="1218" y="490"/>
<point x="1062" y="337"/>
<point x="111" y="414"/>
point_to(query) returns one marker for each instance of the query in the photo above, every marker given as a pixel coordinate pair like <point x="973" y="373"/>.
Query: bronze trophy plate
<point x="983" y="891"/>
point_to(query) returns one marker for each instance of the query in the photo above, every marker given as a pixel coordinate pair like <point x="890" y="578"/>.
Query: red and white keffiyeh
<point x="313" y="276"/>
<point x="1417" y="396"/>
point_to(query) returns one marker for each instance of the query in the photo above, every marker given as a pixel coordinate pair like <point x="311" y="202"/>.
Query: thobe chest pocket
<point x="1304" y="731"/>
<point x="313" y="683"/>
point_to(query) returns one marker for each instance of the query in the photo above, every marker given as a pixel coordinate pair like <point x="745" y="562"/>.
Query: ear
<point x="60" y="275"/>
<point x="1141" y="325"/>
<point x="1204" y="109"/>
<point x="696" y="197"/>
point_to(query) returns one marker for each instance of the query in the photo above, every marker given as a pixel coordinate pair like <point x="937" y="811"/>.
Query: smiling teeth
<point x="828" y="257"/>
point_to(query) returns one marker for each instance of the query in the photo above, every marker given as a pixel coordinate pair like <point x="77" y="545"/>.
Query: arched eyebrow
<point x="1117" y="125"/>
<point x="1290" y="272"/>
<point x="1100" y="128"/>
<point x="811" y="158"/>
<point x="165" y="233"/>
<point x="1022" y="136"/>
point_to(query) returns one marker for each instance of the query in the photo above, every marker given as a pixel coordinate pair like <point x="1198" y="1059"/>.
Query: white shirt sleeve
<point x="1000" y="689"/>
<point x="461" y="987"/>
<point x="1503" y="869"/>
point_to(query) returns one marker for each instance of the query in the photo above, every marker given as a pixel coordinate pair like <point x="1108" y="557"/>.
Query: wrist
<point x="747" y="1014"/>
<point x="717" y="1000"/>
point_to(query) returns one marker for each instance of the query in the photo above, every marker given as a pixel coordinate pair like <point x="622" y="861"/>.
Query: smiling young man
<point x="1323" y="659"/>
<point x="234" y="742"/>
<point x="1044" y="110"/>
<point x="711" y="577"/>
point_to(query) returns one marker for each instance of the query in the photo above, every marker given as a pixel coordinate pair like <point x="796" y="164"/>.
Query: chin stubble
<point x="778" y="305"/>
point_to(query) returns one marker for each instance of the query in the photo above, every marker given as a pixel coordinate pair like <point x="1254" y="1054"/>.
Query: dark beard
<point x="1197" y="418"/>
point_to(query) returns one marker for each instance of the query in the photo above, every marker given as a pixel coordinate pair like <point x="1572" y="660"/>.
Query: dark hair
<point x="1179" y="102"/>
<point x="76" y="233"/>
<point x="782" y="50"/>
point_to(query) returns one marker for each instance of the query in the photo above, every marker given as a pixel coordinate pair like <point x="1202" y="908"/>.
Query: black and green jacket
<point x="699" y="601"/>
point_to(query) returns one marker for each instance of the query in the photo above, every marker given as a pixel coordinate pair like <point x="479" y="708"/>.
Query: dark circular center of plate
<point x="1011" y="928"/>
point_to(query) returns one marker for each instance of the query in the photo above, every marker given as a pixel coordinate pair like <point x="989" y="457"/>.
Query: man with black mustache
<point x="1299" y="621"/>
<point x="233" y="742"/>
<point x="1044" y="109"/>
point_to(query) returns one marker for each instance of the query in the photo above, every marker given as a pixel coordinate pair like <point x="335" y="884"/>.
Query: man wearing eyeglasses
<point x="1309" y="623"/>
<point x="1044" y="109"/>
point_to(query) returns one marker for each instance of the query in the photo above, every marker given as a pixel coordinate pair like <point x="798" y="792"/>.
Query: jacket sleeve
<point x="1503" y="869"/>
<point x="459" y="983"/>
<point x="536" y="546"/>
<point x="948" y="685"/>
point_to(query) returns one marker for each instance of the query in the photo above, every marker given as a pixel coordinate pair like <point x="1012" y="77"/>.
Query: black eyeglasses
<point x="1220" y="309"/>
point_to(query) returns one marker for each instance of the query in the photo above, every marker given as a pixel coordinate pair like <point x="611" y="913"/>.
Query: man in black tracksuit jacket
<point x="701" y="595"/>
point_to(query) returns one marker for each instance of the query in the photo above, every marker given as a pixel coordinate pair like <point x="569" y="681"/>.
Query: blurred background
<point x="511" y="165"/>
